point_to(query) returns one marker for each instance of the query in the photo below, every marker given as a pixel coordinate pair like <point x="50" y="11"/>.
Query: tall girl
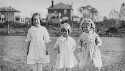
<point x="37" y="38"/>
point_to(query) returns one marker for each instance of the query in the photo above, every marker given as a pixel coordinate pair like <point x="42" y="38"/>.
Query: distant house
<point x="7" y="14"/>
<point x="59" y="12"/>
<point x="76" y="18"/>
<point x="20" y="19"/>
<point x="27" y="20"/>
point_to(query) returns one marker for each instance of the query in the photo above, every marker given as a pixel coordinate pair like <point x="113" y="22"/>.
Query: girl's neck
<point x="65" y="36"/>
<point x="89" y="32"/>
<point x="37" y="26"/>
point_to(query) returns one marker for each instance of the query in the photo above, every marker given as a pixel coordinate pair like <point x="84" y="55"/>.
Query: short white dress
<point x="66" y="58"/>
<point x="37" y="49"/>
<point x="89" y="53"/>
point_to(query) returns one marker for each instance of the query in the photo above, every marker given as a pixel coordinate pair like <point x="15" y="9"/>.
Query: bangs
<point x="63" y="30"/>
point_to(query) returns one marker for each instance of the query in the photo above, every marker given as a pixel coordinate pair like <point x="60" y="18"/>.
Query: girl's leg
<point x="40" y="68"/>
<point x="99" y="69"/>
<point x="68" y="69"/>
<point x="33" y="67"/>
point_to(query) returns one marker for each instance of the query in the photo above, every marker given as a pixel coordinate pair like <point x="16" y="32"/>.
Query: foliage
<point x="88" y="11"/>
<point x="105" y="18"/>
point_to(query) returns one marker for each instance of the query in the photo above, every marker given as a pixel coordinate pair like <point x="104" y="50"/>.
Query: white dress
<point x="89" y="53"/>
<point x="66" y="58"/>
<point x="37" y="49"/>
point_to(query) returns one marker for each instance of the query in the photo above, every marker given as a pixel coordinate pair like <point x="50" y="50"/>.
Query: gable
<point x="61" y="6"/>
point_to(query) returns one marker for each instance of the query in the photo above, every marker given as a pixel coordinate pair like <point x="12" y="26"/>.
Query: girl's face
<point x="36" y="20"/>
<point x="86" y="28"/>
<point x="64" y="32"/>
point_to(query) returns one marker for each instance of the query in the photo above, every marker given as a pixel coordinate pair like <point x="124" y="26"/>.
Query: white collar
<point x="64" y="38"/>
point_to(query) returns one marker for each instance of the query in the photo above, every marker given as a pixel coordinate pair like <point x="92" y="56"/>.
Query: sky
<point x="28" y="7"/>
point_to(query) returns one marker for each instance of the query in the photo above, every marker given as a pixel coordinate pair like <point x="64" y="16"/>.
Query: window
<point x="55" y="11"/>
<point x="21" y="19"/>
<point x="65" y="11"/>
<point x="17" y="19"/>
<point x="2" y="19"/>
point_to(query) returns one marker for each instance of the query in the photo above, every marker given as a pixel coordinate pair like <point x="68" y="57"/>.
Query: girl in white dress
<point x="89" y="43"/>
<point x="65" y="45"/>
<point x="37" y="38"/>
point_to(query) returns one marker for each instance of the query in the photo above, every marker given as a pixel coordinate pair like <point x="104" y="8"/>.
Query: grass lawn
<point x="13" y="54"/>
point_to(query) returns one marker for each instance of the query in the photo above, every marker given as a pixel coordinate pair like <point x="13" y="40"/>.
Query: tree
<point x="105" y="18"/>
<point x="88" y="11"/>
<point x="114" y="14"/>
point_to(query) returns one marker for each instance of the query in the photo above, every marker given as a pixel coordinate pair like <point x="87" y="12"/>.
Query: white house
<point x="20" y="19"/>
<point x="7" y="14"/>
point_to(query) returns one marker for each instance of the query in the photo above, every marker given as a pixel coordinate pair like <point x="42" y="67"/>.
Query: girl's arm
<point x="80" y="42"/>
<point x="46" y="38"/>
<point x="28" y="44"/>
<point x="98" y="41"/>
<point x="46" y="48"/>
<point x="74" y="45"/>
<point x="28" y="40"/>
<point x="56" y="46"/>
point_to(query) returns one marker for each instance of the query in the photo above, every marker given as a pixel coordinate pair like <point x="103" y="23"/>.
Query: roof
<point x="8" y="9"/>
<point x="61" y="6"/>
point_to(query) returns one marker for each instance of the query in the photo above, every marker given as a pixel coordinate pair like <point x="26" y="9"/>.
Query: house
<point x="20" y="19"/>
<point x="76" y="18"/>
<point x="59" y="12"/>
<point x="7" y="14"/>
<point x="27" y="20"/>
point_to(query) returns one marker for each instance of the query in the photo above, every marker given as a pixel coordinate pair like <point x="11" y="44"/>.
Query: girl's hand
<point x="28" y="47"/>
<point x="57" y="50"/>
<point x="46" y="52"/>
<point x="81" y="43"/>
<point x="97" y="47"/>
<point x="27" y="52"/>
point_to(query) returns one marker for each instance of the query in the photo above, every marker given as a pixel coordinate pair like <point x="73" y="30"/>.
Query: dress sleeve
<point x="98" y="40"/>
<point x="46" y="36"/>
<point x="28" y="38"/>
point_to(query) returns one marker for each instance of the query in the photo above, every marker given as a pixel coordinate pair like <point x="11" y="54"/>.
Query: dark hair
<point x="63" y="29"/>
<point x="35" y="14"/>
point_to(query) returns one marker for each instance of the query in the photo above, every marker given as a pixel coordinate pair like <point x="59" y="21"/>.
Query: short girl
<point x="65" y="45"/>
<point x="89" y="43"/>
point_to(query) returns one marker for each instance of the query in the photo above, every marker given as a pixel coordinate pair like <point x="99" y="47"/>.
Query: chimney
<point x="52" y="3"/>
<point x="72" y="4"/>
<point x="10" y="6"/>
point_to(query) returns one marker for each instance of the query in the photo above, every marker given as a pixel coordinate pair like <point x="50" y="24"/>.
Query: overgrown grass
<point x="13" y="54"/>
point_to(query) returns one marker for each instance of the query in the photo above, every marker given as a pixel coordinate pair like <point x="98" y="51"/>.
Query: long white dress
<point x="90" y="54"/>
<point x="66" y="58"/>
<point x="37" y="49"/>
